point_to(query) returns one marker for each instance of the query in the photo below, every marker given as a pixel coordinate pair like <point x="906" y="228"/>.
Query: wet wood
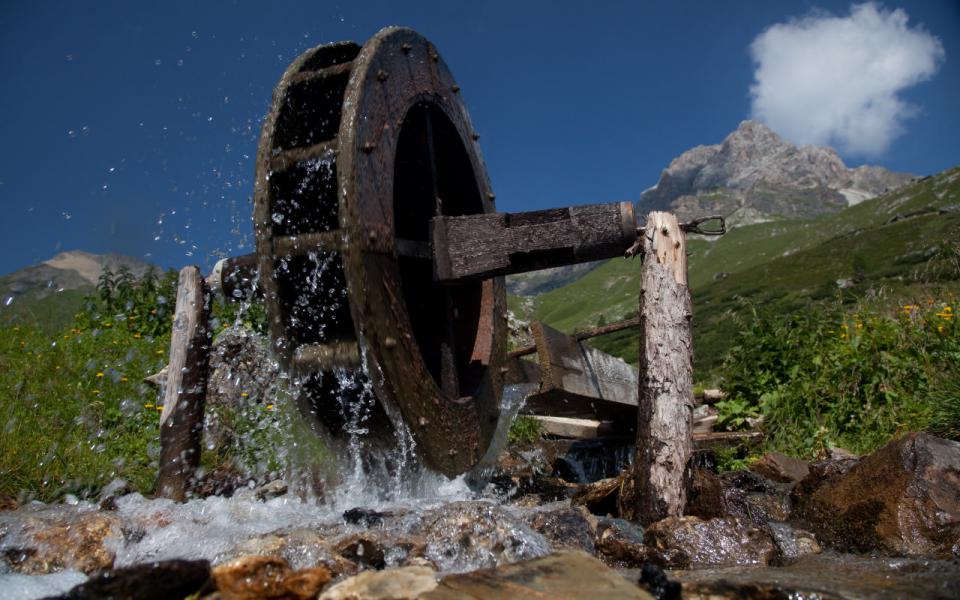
<point x="581" y="429"/>
<point x="654" y="486"/>
<point x="487" y="245"/>
<point x="235" y="278"/>
<point x="579" y="381"/>
<point x="181" y="422"/>
<point x="583" y="335"/>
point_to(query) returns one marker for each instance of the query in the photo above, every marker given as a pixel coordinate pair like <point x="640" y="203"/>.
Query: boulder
<point x="301" y="549"/>
<point x="692" y="543"/>
<point x="406" y="583"/>
<point x="904" y="498"/>
<point x="566" y="528"/>
<point x="780" y="467"/>
<point x="468" y="535"/>
<point x="570" y="575"/>
<point x="793" y="542"/>
<point x="619" y="543"/>
<point x="51" y="540"/>
<point x="149" y="581"/>
<point x="258" y="577"/>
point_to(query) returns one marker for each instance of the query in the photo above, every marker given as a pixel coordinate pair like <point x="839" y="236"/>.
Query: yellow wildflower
<point x="269" y="407"/>
<point x="124" y="379"/>
<point x="99" y="375"/>
<point x="148" y="405"/>
<point x="244" y="394"/>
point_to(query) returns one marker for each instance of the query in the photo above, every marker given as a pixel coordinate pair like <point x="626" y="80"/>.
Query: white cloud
<point x="829" y="80"/>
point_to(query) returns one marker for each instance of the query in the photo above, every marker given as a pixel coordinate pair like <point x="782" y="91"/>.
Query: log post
<point x="654" y="487"/>
<point x="181" y="422"/>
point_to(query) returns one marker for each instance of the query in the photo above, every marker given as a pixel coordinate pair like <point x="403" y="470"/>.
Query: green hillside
<point x="902" y="245"/>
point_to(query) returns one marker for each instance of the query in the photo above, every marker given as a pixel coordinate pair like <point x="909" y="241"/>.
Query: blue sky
<point x="131" y="127"/>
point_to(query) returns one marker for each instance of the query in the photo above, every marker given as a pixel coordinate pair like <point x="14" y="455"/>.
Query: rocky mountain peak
<point x="754" y="174"/>
<point x="74" y="269"/>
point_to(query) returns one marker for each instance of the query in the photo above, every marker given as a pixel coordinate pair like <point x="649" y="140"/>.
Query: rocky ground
<point x="882" y="526"/>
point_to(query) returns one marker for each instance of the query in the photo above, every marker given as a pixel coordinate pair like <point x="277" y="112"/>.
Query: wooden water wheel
<point x="362" y="147"/>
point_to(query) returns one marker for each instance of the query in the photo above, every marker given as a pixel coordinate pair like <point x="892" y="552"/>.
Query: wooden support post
<point x="654" y="487"/>
<point x="181" y="422"/>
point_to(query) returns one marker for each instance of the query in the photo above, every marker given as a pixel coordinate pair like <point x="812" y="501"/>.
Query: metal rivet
<point x="504" y="370"/>
<point x="423" y="421"/>
<point x="406" y="47"/>
<point x="491" y="196"/>
<point x="434" y="56"/>
<point x="372" y="235"/>
<point x="389" y="342"/>
<point x="382" y="75"/>
<point x="368" y="147"/>
<point x="455" y="88"/>
<point x="453" y="452"/>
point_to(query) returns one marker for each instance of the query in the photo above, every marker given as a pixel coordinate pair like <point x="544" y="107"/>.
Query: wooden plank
<point x="654" y="487"/>
<point x="579" y="381"/>
<point x="583" y="335"/>
<point x="576" y="368"/>
<point x="181" y="422"/>
<point x="487" y="245"/>
<point x="581" y="429"/>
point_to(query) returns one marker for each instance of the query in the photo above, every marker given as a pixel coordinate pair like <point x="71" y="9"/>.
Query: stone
<point x="300" y="548"/>
<point x="749" y="496"/>
<point x="148" y="581"/>
<point x="250" y="577"/>
<point x="793" y="542"/>
<point x="468" y="535"/>
<point x="50" y="540"/>
<point x="692" y="543"/>
<point x="566" y="528"/>
<point x="904" y="498"/>
<point x="405" y="583"/>
<point x="780" y="467"/>
<point x="377" y="549"/>
<point x="570" y="575"/>
<point x="267" y="491"/>
<point x="619" y="543"/>
<point x="257" y="577"/>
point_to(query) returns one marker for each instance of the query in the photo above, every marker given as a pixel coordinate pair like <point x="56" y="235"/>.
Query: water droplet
<point x="8" y="301"/>
<point x="157" y="62"/>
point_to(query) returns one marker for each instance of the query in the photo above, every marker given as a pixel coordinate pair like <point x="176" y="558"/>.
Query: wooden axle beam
<point x="487" y="245"/>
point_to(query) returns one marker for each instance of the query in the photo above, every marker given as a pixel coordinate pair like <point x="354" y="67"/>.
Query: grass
<point x="850" y="377"/>
<point x="788" y="265"/>
<point x="75" y="412"/>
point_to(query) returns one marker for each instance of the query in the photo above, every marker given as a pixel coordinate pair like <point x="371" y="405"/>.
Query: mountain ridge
<point x="71" y="270"/>
<point x="754" y="175"/>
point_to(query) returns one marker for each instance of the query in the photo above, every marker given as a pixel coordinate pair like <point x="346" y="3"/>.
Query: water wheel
<point x="361" y="148"/>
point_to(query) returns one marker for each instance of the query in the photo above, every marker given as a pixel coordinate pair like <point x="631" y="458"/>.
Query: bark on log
<point x="487" y="245"/>
<point x="654" y="486"/>
<point x="181" y="422"/>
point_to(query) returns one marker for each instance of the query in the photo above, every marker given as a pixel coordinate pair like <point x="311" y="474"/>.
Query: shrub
<point x="850" y="378"/>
